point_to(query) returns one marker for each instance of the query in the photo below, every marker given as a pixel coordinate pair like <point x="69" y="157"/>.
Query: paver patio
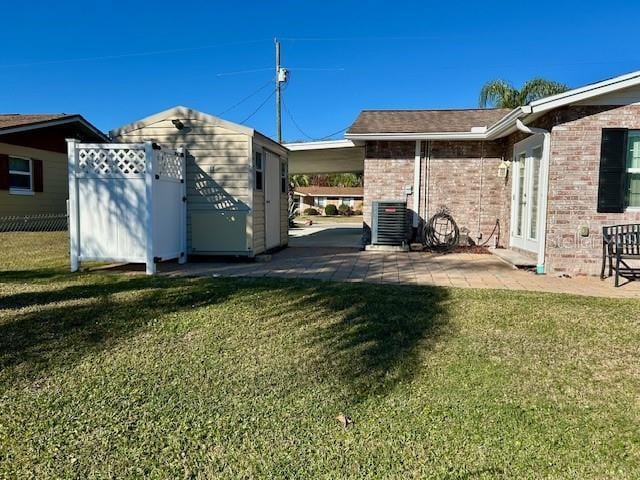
<point x="411" y="268"/>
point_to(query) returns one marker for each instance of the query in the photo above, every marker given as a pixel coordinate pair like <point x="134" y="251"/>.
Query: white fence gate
<point x="127" y="203"/>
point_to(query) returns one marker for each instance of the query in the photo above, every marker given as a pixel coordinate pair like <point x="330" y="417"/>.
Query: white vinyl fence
<point x="127" y="203"/>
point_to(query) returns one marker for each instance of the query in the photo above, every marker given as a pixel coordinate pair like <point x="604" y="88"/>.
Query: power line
<point x="259" y="106"/>
<point x="242" y="72"/>
<point x="334" y="133"/>
<point x="290" y="115"/>
<point x="286" y="109"/>
<point x="252" y="94"/>
<point x="134" y="54"/>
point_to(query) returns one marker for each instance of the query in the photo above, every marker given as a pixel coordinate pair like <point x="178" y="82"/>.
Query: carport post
<point x="72" y="208"/>
<point x="149" y="155"/>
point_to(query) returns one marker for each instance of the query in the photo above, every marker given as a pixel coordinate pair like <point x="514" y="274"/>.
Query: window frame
<point x="284" y="183"/>
<point x="21" y="190"/>
<point x="628" y="171"/>
<point x="258" y="173"/>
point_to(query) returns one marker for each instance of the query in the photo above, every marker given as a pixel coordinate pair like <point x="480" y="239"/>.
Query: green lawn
<point x="121" y="376"/>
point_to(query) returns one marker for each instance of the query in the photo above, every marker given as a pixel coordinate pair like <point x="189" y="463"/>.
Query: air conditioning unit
<point x="389" y="223"/>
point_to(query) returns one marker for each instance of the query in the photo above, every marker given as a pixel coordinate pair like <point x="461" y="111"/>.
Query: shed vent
<point x="389" y="223"/>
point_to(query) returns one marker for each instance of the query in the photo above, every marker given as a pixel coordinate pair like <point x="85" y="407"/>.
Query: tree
<point x="300" y="180"/>
<point x="502" y="94"/>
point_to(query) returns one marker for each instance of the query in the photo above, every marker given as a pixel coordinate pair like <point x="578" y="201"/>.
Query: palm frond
<point x="538" y="88"/>
<point x="498" y="93"/>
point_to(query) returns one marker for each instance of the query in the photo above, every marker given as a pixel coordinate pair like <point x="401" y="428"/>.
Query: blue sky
<point x="344" y="56"/>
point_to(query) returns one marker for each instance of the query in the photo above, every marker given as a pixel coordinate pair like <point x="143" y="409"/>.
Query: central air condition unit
<point x="389" y="223"/>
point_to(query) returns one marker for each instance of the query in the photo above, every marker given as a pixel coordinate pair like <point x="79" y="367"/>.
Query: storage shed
<point x="237" y="187"/>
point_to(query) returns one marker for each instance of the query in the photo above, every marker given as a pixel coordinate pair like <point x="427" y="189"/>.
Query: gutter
<point x="544" y="189"/>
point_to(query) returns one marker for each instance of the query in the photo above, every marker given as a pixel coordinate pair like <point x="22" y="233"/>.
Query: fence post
<point x="183" y="208"/>
<point x="149" y="167"/>
<point x="73" y="216"/>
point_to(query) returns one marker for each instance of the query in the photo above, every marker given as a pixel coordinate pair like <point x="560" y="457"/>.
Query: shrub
<point x="345" y="210"/>
<point x="330" y="210"/>
<point x="311" y="211"/>
<point x="357" y="212"/>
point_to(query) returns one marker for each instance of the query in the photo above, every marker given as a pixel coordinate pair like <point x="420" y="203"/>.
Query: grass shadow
<point x="375" y="336"/>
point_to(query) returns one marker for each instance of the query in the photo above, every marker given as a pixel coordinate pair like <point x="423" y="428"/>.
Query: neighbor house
<point x="33" y="161"/>
<point x="319" y="197"/>
<point x="552" y="173"/>
<point x="237" y="180"/>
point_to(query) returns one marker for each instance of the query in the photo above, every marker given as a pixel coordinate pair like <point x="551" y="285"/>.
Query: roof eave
<point x="52" y="123"/>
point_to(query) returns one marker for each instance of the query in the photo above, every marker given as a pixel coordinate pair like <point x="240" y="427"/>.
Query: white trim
<point x="543" y="190"/>
<point x="21" y="190"/>
<point x="73" y="212"/>
<point x="586" y="92"/>
<point x="148" y="221"/>
<point x="319" y="145"/>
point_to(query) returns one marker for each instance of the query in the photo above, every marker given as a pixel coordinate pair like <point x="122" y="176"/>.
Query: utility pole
<point x="282" y="75"/>
<point x="278" y="99"/>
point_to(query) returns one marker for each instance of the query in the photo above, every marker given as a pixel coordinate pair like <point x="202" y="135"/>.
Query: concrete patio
<point x="411" y="268"/>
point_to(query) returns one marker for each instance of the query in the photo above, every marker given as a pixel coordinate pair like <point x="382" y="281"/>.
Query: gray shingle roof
<point x="8" y="120"/>
<point x="425" y="121"/>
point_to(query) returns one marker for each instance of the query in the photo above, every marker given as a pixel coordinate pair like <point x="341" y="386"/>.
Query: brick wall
<point x="461" y="175"/>
<point x="573" y="185"/>
<point x="388" y="168"/>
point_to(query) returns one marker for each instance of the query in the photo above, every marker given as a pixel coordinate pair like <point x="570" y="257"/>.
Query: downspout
<point x="544" y="190"/>
<point x="416" y="184"/>
<point x="479" y="231"/>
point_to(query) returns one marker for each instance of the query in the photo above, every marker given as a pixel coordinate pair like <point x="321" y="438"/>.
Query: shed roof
<point x="181" y="112"/>
<point x="425" y="121"/>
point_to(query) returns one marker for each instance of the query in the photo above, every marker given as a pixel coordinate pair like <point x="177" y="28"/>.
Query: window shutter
<point x="37" y="175"/>
<point x="613" y="158"/>
<point x="4" y="172"/>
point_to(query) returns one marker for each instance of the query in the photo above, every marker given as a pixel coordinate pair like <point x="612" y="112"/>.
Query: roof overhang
<point x="327" y="156"/>
<point x="54" y="123"/>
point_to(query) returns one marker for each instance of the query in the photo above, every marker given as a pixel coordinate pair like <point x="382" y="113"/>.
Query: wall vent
<point x="389" y="223"/>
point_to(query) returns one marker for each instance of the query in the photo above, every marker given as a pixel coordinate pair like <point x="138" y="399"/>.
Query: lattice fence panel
<point x="169" y="164"/>
<point x="111" y="162"/>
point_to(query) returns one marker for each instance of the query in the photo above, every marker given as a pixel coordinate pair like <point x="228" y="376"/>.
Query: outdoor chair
<point x="621" y="243"/>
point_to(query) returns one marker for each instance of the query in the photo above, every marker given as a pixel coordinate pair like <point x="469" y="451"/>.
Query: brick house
<point x="552" y="172"/>
<point x="319" y="197"/>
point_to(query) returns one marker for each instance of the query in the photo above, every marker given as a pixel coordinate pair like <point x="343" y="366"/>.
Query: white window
<point x="348" y="201"/>
<point x="320" y="201"/>
<point x="20" y="175"/>
<point x="633" y="169"/>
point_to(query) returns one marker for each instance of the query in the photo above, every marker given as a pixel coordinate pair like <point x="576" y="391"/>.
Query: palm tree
<point x="501" y="94"/>
<point x="300" y="180"/>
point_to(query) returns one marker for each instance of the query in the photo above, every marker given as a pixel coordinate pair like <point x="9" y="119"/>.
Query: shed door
<point x="272" y="200"/>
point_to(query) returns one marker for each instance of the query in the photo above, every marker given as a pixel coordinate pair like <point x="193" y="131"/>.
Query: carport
<point x="326" y="157"/>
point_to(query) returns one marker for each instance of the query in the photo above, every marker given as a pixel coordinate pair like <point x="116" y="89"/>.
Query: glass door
<point x="525" y="198"/>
